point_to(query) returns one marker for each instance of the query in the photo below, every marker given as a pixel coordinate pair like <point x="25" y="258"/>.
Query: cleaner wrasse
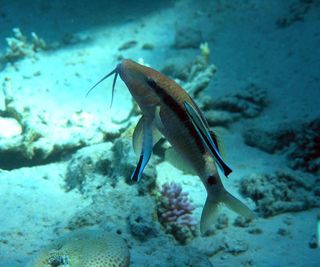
<point x="169" y="111"/>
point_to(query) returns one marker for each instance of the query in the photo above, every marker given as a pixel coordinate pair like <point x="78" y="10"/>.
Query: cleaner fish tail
<point x="209" y="214"/>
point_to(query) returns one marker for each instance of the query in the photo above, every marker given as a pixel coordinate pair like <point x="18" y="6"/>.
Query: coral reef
<point x="195" y="78"/>
<point x="248" y="103"/>
<point x="37" y="142"/>
<point x="85" y="248"/>
<point x="120" y="208"/>
<point x="141" y="221"/>
<point x="19" y="46"/>
<point x="174" y="213"/>
<point x="281" y="192"/>
<point x="199" y="74"/>
<point x="304" y="153"/>
<point x="88" y="168"/>
<point x="270" y="140"/>
<point x="300" y="142"/>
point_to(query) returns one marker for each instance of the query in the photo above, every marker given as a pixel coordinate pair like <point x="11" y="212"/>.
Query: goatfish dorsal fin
<point x="208" y="139"/>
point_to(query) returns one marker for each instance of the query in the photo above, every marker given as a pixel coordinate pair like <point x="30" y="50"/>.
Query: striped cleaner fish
<point x="168" y="109"/>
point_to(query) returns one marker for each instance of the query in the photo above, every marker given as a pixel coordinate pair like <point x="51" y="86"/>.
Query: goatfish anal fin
<point x="144" y="137"/>
<point x="206" y="137"/>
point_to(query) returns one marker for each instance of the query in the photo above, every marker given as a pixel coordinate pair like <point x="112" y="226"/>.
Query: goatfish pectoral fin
<point x="137" y="138"/>
<point x="145" y="133"/>
<point x="209" y="214"/>
<point x="206" y="137"/>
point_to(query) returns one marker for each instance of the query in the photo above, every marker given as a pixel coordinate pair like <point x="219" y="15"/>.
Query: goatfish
<point x="168" y="110"/>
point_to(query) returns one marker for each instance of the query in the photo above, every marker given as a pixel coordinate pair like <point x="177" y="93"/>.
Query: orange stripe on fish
<point x="167" y="109"/>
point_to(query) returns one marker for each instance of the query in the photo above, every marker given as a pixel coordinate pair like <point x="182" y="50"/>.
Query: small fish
<point x="167" y="110"/>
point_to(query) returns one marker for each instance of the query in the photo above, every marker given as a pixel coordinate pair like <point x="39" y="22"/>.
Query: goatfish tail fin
<point x="209" y="214"/>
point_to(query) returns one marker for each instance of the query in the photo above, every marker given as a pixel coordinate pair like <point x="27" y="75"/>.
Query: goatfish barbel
<point x="168" y="110"/>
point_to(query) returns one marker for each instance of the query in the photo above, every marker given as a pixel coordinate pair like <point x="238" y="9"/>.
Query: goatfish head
<point x="136" y="77"/>
<point x="168" y="111"/>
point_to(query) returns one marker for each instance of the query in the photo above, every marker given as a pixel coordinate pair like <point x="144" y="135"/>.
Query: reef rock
<point x="193" y="76"/>
<point x="281" y="192"/>
<point x="300" y="142"/>
<point x="304" y="153"/>
<point x="89" y="168"/>
<point x="141" y="221"/>
<point x="19" y="46"/>
<point x="34" y="137"/>
<point x="248" y="103"/>
<point x="270" y="141"/>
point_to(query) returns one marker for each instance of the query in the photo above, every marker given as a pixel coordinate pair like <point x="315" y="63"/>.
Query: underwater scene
<point x="160" y="133"/>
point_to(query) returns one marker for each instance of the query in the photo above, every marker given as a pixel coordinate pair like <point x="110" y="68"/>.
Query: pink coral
<point x="175" y="210"/>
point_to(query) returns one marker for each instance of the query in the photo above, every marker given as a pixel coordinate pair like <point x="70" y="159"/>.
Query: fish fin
<point x="157" y="118"/>
<point x="137" y="137"/>
<point x="209" y="214"/>
<point x="205" y="135"/>
<point x="215" y="139"/>
<point x="146" y="148"/>
<point x="175" y="159"/>
<point x="215" y="135"/>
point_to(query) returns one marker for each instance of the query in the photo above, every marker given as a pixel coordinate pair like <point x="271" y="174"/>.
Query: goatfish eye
<point x="151" y="82"/>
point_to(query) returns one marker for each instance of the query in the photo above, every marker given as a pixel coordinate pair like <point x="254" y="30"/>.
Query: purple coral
<point x="175" y="210"/>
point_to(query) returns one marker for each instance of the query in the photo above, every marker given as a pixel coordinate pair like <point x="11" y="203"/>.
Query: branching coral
<point x="199" y="73"/>
<point x="174" y="212"/>
<point x="19" y="47"/>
